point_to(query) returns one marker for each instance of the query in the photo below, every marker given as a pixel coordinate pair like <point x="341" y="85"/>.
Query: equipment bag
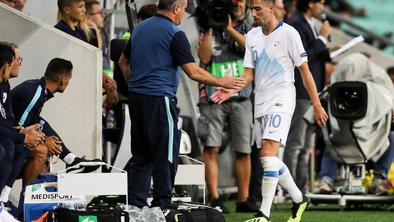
<point x="192" y="212"/>
<point x="110" y="214"/>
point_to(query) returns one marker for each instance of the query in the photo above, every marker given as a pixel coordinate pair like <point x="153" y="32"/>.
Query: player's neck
<point x="270" y="26"/>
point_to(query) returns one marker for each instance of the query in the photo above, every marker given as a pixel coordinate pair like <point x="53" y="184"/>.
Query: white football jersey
<point x="273" y="58"/>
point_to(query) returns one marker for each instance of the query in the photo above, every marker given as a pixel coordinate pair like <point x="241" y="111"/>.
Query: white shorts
<point x="274" y="126"/>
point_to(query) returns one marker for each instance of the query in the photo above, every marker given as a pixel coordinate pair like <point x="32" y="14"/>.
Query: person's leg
<point x="296" y="138"/>
<point x="382" y="166"/>
<point x="380" y="185"/>
<point x="256" y="175"/>
<point x="36" y="164"/>
<point x="242" y="173"/>
<point x="2" y="153"/>
<point x="303" y="169"/>
<point x="328" y="172"/>
<point x="164" y="139"/>
<point x="271" y="166"/>
<point x="19" y="161"/>
<point x="216" y="115"/>
<point x="139" y="173"/>
<point x="209" y="157"/>
<point x="6" y="166"/>
<point x="240" y="127"/>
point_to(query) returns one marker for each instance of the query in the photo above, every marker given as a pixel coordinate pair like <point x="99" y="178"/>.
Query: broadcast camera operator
<point x="221" y="52"/>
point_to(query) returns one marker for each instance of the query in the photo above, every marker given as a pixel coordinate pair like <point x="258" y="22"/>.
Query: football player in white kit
<point x="272" y="51"/>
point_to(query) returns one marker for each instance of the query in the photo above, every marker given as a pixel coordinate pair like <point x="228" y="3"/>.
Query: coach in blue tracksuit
<point x="158" y="49"/>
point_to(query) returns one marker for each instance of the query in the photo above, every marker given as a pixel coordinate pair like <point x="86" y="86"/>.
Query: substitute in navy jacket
<point x="28" y="99"/>
<point x="6" y="117"/>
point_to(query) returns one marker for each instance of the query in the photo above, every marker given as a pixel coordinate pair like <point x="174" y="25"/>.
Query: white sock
<point x="287" y="182"/>
<point x="69" y="158"/>
<point x="271" y="166"/>
<point x="5" y="194"/>
<point x="5" y="216"/>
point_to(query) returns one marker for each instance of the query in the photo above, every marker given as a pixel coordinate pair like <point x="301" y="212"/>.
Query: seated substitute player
<point x="272" y="50"/>
<point x="29" y="98"/>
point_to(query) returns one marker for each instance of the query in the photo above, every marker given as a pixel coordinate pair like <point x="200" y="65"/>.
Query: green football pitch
<point x="319" y="213"/>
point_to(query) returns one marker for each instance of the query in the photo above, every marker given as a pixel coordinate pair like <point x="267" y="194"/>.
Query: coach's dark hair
<point x="168" y="4"/>
<point x="303" y="5"/>
<point x="7" y="55"/>
<point x="57" y="68"/>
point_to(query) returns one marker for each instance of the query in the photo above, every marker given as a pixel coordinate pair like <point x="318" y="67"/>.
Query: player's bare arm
<point x="309" y="84"/>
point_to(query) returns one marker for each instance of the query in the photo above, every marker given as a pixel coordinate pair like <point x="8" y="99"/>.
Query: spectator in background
<point x="71" y="15"/>
<point x="145" y="12"/>
<point x="10" y="3"/>
<point x="95" y="18"/>
<point x="279" y="10"/>
<point x="20" y="5"/>
<point x="221" y="51"/>
<point x="301" y="139"/>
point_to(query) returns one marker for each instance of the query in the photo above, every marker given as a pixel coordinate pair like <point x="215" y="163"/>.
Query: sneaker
<point x="298" y="209"/>
<point x="83" y="165"/>
<point x="325" y="187"/>
<point x="5" y="216"/>
<point x="218" y="205"/>
<point x="10" y="207"/>
<point x="259" y="217"/>
<point x="379" y="187"/>
<point x="247" y="206"/>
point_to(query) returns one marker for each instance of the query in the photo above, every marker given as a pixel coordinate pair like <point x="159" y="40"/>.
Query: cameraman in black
<point x="221" y="52"/>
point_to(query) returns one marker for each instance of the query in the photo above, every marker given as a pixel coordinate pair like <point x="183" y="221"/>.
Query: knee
<point x="269" y="148"/>
<point x="8" y="147"/>
<point x="40" y="152"/>
<point x="242" y="156"/>
<point x="211" y="152"/>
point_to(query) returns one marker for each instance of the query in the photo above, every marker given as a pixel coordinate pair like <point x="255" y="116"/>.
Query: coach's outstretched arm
<point x="198" y="74"/>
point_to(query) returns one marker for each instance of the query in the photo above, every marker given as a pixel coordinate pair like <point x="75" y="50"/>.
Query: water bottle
<point x="110" y="120"/>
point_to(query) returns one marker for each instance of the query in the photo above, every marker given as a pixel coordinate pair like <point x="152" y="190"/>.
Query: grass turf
<point x="320" y="213"/>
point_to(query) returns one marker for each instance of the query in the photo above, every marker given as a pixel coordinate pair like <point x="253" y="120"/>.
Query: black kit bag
<point x="92" y="213"/>
<point x="192" y="212"/>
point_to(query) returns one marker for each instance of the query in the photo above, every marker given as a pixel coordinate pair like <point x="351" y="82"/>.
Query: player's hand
<point x="33" y="137"/>
<point x="221" y="95"/>
<point x="53" y="145"/>
<point x="236" y="83"/>
<point x="320" y="115"/>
